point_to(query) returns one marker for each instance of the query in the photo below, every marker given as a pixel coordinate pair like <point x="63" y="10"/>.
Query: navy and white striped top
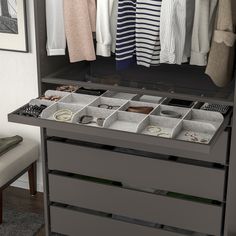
<point x="138" y="33"/>
<point x="125" y="38"/>
<point x="148" y="32"/>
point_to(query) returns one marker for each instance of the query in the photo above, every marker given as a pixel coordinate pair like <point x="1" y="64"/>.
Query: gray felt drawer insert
<point x="125" y="129"/>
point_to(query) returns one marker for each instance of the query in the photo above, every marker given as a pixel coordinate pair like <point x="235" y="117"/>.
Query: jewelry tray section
<point x="141" y="114"/>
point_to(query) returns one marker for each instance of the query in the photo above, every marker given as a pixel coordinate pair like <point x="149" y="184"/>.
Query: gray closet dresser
<point x="106" y="182"/>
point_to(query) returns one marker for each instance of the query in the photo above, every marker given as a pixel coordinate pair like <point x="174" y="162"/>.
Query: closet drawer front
<point x="137" y="171"/>
<point x="165" y="210"/>
<point x="217" y="153"/>
<point x="72" y="223"/>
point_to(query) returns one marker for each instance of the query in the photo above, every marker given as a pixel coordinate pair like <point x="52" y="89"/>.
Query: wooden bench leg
<point x="32" y="173"/>
<point x="1" y="207"/>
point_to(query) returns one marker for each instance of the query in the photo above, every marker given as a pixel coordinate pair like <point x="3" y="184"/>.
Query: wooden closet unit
<point x="106" y="182"/>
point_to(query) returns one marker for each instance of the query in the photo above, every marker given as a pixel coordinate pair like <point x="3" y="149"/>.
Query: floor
<point x="20" y="199"/>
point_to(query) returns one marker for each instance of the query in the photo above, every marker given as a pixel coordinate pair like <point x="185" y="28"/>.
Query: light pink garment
<point x="80" y="22"/>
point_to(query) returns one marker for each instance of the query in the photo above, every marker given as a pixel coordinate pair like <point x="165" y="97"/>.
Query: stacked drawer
<point x="93" y="190"/>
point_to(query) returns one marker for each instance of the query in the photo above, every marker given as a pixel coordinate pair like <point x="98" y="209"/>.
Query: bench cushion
<point x="16" y="160"/>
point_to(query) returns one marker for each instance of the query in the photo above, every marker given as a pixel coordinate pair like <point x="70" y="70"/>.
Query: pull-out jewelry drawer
<point x="195" y="134"/>
<point x="164" y="210"/>
<point x="134" y="170"/>
<point x="73" y="223"/>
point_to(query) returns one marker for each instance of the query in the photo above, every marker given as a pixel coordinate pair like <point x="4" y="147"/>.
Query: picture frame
<point x="13" y="26"/>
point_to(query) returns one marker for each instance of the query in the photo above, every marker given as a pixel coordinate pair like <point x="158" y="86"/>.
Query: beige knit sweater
<point x="221" y="59"/>
<point x="80" y="22"/>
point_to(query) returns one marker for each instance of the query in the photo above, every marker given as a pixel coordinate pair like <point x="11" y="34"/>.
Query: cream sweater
<point x="106" y="26"/>
<point x="202" y="31"/>
<point x="80" y="22"/>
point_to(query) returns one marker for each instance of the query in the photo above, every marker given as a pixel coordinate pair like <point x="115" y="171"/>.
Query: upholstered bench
<point x="15" y="163"/>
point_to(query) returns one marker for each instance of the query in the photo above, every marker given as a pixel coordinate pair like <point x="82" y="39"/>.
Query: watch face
<point x="181" y="103"/>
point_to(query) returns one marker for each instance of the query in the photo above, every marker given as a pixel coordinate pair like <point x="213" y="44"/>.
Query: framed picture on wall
<point x="13" y="25"/>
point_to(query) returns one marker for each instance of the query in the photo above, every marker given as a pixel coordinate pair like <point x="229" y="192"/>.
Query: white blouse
<point x="56" y="39"/>
<point x="106" y="27"/>
<point x="173" y="31"/>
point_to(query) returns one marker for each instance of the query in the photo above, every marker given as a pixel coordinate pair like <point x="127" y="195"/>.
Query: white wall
<point x="18" y="84"/>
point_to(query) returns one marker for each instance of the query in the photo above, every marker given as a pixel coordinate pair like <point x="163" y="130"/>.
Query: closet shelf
<point x="183" y="82"/>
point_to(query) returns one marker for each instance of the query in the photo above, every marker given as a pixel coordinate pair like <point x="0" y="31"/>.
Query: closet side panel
<point x="230" y="225"/>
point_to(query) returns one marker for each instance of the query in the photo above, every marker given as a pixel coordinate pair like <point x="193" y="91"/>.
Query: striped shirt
<point x="125" y="38"/>
<point x="147" y="32"/>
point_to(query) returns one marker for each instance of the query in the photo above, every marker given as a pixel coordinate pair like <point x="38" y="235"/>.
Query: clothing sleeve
<point x="80" y="18"/>
<point x="220" y="65"/>
<point x="202" y="31"/>
<point x="224" y="33"/>
<point x="173" y="31"/>
<point x="167" y="54"/>
<point x="56" y="40"/>
<point x="103" y="27"/>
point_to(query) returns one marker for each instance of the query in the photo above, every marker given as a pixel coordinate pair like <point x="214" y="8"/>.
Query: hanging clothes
<point x="106" y="27"/>
<point x="56" y="40"/>
<point x="221" y="58"/>
<point x="190" y="10"/>
<point x="202" y="31"/>
<point x="125" y="37"/>
<point x="80" y="22"/>
<point x="173" y="31"/>
<point x="148" y="32"/>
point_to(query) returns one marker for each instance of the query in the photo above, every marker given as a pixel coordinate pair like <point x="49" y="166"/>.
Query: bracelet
<point x="170" y="114"/>
<point x="63" y="115"/>
<point x="144" y="110"/>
